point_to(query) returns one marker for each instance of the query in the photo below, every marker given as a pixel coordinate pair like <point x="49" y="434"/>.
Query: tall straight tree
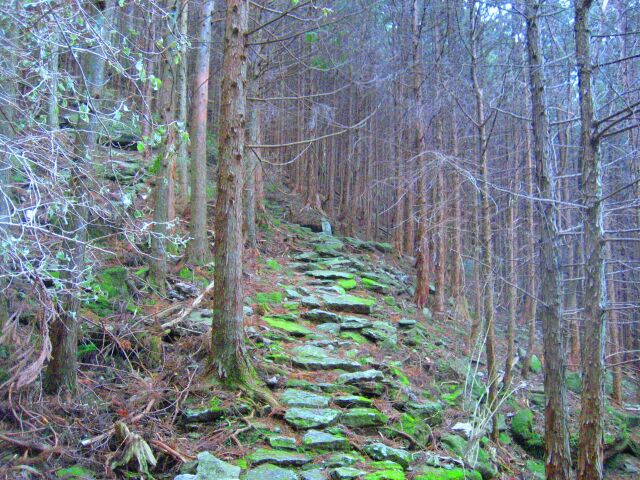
<point x="558" y="458"/>
<point x="422" y="254"/>
<point x="485" y="213"/>
<point x="229" y="360"/>
<point x="198" y="247"/>
<point x="590" y="450"/>
<point x="61" y="373"/>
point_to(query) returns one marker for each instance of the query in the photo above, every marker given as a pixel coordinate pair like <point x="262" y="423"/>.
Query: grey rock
<point x="269" y="472"/>
<point x="212" y="467"/>
<point x="305" y="418"/>
<point x="318" y="315"/>
<point x="354" y="323"/>
<point x="358" y="377"/>
<point x="318" y="440"/>
<point x="301" y="398"/>
<point x="380" y="451"/>
<point x="277" y="457"/>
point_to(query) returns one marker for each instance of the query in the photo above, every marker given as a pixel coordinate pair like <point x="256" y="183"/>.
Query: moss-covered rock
<point x="305" y="418"/>
<point x="293" y="328"/>
<point x="524" y="435"/>
<point x="271" y="298"/>
<point x="363" y="417"/>
<point x="349" y="303"/>
<point x="482" y="463"/>
<point x="535" y="365"/>
<point x="433" y="473"/>
<point x="347" y="283"/>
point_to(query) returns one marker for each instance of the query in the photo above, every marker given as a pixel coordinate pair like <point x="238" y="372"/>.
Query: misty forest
<point x="320" y="239"/>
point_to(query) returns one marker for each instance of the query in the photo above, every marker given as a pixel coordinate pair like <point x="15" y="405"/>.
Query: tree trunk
<point x="558" y="456"/>
<point x="228" y="356"/>
<point x="422" y="252"/>
<point x="512" y="278"/>
<point x="252" y="162"/>
<point x="485" y="231"/>
<point x="182" y="158"/>
<point x="199" y="246"/>
<point x="163" y="181"/>
<point x="531" y="301"/>
<point x="590" y="451"/>
<point x="61" y="372"/>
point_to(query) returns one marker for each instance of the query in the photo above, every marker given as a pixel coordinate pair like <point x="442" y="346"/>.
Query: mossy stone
<point x="434" y="473"/>
<point x="305" y="418"/>
<point x="385" y="475"/>
<point x="271" y="298"/>
<point x="536" y="467"/>
<point x="277" y="457"/>
<point x="347" y="283"/>
<point x="380" y="451"/>
<point x="363" y="417"/>
<point x="269" y="472"/>
<point x="523" y="433"/>
<point x="294" y="329"/>
<point x="535" y="365"/>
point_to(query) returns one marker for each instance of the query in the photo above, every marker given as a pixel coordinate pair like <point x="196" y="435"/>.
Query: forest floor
<point x="368" y="389"/>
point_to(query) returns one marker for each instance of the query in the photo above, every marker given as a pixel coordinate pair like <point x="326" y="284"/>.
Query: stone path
<point x="332" y="424"/>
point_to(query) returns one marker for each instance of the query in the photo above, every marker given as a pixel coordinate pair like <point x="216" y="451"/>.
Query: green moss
<point x="433" y="473"/>
<point x="76" y="472"/>
<point x="536" y="365"/>
<point x="536" y="467"/>
<point x="574" y="382"/>
<point x="185" y="273"/>
<point x="355" y="336"/>
<point x="390" y="300"/>
<point x="273" y="265"/>
<point x="400" y="376"/>
<point x="269" y="297"/>
<point x="373" y="285"/>
<point x="452" y="398"/>
<point x="287" y="326"/>
<point x="523" y="433"/>
<point x="385" y="475"/>
<point x="347" y="283"/>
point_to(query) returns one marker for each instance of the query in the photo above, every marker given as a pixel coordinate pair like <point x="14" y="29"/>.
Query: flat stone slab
<point x="283" y="443"/>
<point x="315" y="358"/>
<point x="277" y="457"/>
<point x="315" y="474"/>
<point x="380" y="451"/>
<point x="350" y="401"/>
<point x="211" y="467"/>
<point x="305" y="418"/>
<point x="269" y="472"/>
<point x="318" y="315"/>
<point x="310" y="302"/>
<point x="358" y="377"/>
<point x="346" y="473"/>
<point x="292" y="397"/>
<point x="319" y="440"/>
<point x="363" y="417"/>
<point x="380" y="331"/>
<point x="348" y="303"/>
<point x="288" y="326"/>
<point x="331" y="328"/>
<point x="354" y="323"/>
<point x="329" y="274"/>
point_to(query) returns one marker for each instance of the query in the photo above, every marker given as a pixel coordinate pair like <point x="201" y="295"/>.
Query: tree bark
<point x="422" y="251"/>
<point x="61" y="372"/>
<point x="590" y="451"/>
<point x="228" y="356"/>
<point x="558" y="455"/>
<point x="198" y="251"/>
<point x="166" y="158"/>
<point x="182" y="158"/>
